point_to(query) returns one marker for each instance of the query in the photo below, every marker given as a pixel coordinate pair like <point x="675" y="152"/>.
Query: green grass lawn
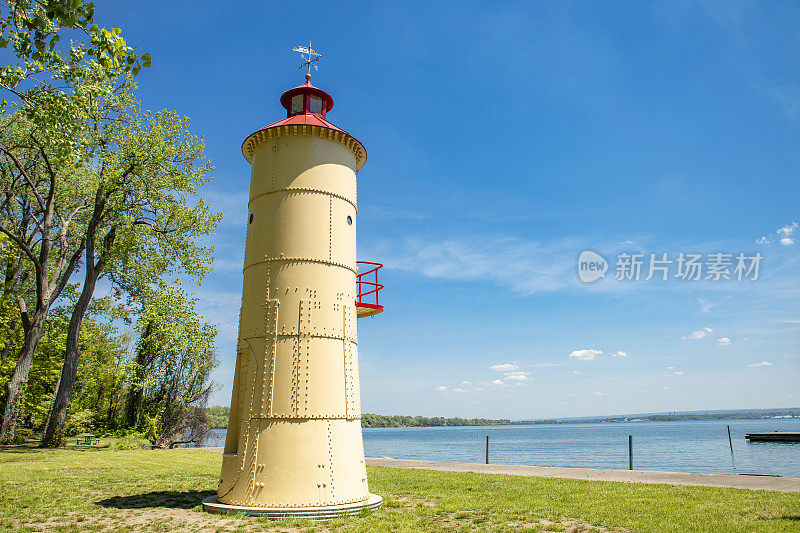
<point x="83" y="488"/>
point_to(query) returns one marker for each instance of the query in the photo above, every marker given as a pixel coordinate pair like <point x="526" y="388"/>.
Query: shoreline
<point x="650" y="477"/>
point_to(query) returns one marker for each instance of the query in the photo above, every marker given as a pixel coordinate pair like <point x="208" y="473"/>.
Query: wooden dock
<point x="775" y="436"/>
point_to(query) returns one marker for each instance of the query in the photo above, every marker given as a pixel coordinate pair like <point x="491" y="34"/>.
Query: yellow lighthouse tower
<point x="294" y="444"/>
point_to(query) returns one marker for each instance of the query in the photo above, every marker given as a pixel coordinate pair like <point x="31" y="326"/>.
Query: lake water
<point x="685" y="446"/>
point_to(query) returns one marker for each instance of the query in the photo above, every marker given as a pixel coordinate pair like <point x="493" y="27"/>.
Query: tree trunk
<point x="133" y="409"/>
<point x="20" y="375"/>
<point x="58" y="415"/>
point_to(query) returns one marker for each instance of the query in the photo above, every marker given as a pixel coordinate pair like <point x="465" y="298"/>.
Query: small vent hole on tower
<point x="250" y="220"/>
<point x="349" y="220"/>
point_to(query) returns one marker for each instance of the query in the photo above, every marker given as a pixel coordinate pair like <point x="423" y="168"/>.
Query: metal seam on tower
<point x="300" y="260"/>
<point x="303" y="189"/>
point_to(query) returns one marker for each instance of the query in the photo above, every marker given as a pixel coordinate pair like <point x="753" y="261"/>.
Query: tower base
<point x="328" y="512"/>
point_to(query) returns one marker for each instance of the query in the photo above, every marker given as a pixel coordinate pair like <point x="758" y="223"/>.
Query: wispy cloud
<point x="505" y="367"/>
<point x="705" y="305"/>
<point x="723" y="341"/>
<point x="619" y="354"/>
<point x="221" y="308"/>
<point x="699" y="334"/>
<point x="525" y="266"/>
<point x="762" y="363"/>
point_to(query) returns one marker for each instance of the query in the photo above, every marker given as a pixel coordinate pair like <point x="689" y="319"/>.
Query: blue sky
<point x="502" y="142"/>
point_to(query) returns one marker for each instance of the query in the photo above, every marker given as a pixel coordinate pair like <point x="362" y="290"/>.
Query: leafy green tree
<point x="174" y="359"/>
<point x="141" y="222"/>
<point x="33" y="30"/>
<point x="218" y="416"/>
<point x="42" y="233"/>
<point x="41" y="159"/>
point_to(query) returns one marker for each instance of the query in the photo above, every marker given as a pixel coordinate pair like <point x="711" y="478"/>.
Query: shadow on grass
<point x="33" y="448"/>
<point x="793" y="517"/>
<point x="165" y="498"/>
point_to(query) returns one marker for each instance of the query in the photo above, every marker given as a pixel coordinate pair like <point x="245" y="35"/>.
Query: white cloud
<point x="723" y="341"/>
<point x="619" y="354"/>
<point x="785" y="235"/>
<point x="586" y="354"/>
<point x="517" y="376"/>
<point x="575" y="372"/>
<point x="466" y="383"/>
<point x="705" y="305"/>
<point x="699" y="334"/>
<point x="459" y="390"/>
<point x="528" y="266"/>
<point x="498" y="382"/>
<point x="505" y="367"/>
<point x="762" y="363"/>
<point x="441" y="388"/>
<point x="670" y="368"/>
<point x="599" y="393"/>
<point x="786" y="232"/>
<point x="679" y="373"/>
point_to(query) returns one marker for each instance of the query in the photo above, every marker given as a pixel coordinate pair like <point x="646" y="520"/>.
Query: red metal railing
<point x="366" y="286"/>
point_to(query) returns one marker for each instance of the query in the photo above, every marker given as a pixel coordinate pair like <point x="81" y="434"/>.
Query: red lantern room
<point x="305" y="99"/>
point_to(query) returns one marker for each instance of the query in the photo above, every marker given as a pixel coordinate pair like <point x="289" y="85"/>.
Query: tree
<point x="174" y="358"/>
<point x="51" y="86"/>
<point x="142" y="222"/>
<point x="43" y="236"/>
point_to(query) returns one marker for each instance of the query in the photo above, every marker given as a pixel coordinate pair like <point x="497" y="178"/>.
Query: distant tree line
<point x="218" y="419"/>
<point x="370" y="420"/>
<point x="218" y="416"/>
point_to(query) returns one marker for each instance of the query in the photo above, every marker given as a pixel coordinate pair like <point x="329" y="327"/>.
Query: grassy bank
<point x="78" y="489"/>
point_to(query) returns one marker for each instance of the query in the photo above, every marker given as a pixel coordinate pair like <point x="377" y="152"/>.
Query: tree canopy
<point x="94" y="186"/>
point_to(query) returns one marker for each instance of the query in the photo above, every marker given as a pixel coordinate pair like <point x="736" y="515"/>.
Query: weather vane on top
<point x="309" y="57"/>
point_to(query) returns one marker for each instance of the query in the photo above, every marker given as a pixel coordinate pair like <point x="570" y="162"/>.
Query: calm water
<point x="690" y="446"/>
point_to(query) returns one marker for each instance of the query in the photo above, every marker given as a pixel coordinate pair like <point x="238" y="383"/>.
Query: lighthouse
<point x="294" y="446"/>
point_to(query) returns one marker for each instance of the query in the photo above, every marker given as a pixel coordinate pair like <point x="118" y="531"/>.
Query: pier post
<point x="487" y="449"/>
<point x="730" y="442"/>
<point x="630" y="452"/>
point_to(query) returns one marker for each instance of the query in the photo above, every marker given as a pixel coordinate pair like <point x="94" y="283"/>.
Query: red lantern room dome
<point x="306" y="108"/>
<point x="306" y="99"/>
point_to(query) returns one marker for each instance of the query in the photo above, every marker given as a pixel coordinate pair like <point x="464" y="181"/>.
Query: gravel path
<point x="779" y="484"/>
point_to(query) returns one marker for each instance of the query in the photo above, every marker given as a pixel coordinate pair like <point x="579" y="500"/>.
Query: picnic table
<point x="88" y="439"/>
